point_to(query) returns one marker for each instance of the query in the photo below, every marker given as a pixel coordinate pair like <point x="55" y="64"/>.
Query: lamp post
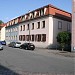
<point x="29" y="27"/>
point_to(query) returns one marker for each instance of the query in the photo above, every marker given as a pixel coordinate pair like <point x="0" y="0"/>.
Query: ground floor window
<point x="36" y="37"/>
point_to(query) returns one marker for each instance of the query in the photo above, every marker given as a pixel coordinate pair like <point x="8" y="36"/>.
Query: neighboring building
<point x="12" y="31"/>
<point x="73" y="26"/>
<point x="2" y="32"/>
<point x="40" y="26"/>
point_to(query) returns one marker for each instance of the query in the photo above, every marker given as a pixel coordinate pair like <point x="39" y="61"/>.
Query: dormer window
<point x="26" y="16"/>
<point x="37" y="14"/>
<point x="31" y="17"/>
<point x="23" y="18"/>
<point x="42" y="12"/>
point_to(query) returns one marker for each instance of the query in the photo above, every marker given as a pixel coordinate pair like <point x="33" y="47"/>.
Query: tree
<point x="64" y="38"/>
<point x="1" y="22"/>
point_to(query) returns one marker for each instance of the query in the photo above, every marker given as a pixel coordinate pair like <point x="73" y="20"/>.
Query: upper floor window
<point x="23" y="27"/>
<point x="16" y="28"/>
<point x="43" y="24"/>
<point x="38" y="26"/>
<point x="32" y="25"/>
<point x="11" y="29"/>
<point x="28" y="27"/>
<point x="59" y="25"/>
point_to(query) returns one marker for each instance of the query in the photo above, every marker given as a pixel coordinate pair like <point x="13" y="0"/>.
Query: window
<point x="16" y="28"/>
<point x="28" y="27"/>
<point x="32" y="37"/>
<point x="28" y="37"/>
<point x="35" y="37"/>
<point x="33" y="15"/>
<point x="11" y="30"/>
<point x="38" y="26"/>
<point x="23" y="27"/>
<point x="32" y="25"/>
<point x="20" y="37"/>
<point x="43" y="24"/>
<point x="59" y="25"/>
<point x="23" y="37"/>
<point x="43" y="37"/>
<point x="37" y="14"/>
<point x="42" y="12"/>
<point x="39" y="37"/>
<point x="16" y="37"/>
<point x="68" y="27"/>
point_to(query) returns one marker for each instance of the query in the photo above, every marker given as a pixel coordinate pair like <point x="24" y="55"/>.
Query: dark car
<point x="1" y="46"/>
<point x="27" y="46"/>
<point x="3" y="42"/>
<point x="14" y="44"/>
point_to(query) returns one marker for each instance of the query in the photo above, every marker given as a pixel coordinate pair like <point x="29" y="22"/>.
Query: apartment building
<point x="2" y="32"/>
<point x="12" y="31"/>
<point x="39" y="26"/>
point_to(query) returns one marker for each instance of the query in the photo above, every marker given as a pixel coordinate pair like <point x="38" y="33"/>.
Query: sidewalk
<point x="56" y="52"/>
<point x="63" y="53"/>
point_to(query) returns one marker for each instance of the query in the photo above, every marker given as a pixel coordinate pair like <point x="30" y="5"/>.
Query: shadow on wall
<point x="6" y="71"/>
<point x="58" y="47"/>
<point x="53" y="46"/>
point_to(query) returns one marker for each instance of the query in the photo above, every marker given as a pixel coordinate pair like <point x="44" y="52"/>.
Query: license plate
<point x="31" y="46"/>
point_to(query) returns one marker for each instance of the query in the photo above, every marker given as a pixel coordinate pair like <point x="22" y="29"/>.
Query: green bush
<point x="64" y="39"/>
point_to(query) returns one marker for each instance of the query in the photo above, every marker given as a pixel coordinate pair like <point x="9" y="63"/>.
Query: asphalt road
<point x="18" y="60"/>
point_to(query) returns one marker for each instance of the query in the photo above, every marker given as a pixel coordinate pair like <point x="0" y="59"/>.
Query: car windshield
<point x="30" y="44"/>
<point x="18" y="42"/>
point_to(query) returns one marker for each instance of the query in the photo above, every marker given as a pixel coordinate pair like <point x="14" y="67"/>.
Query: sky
<point x="10" y="9"/>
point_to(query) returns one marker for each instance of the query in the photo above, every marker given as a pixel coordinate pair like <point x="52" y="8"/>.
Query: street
<point x="37" y="61"/>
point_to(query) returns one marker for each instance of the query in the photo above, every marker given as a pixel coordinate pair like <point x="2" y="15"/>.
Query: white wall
<point x="38" y="31"/>
<point x="50" y="38"/>
<point x="3" y="33"/>
<point x="56" y="30"/>
<point x="51" y="30"/>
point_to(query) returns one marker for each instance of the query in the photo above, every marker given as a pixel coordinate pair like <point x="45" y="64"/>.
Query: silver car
<point x="1" y="47"/>
<point x="14" y="44"/>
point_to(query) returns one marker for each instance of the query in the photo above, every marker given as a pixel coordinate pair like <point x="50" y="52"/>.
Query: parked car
<point x="1" y="46"/>
<point x="3" y="42"/>
<point x="14" y="44"/>
<point x="27" y="46"/>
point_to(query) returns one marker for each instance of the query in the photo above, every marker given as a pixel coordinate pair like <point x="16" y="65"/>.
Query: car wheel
<point x="26" y="48"/>
<point x="20" y="47"/>
<point x="32" y="49"/>
<point x="12" y="46"/>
